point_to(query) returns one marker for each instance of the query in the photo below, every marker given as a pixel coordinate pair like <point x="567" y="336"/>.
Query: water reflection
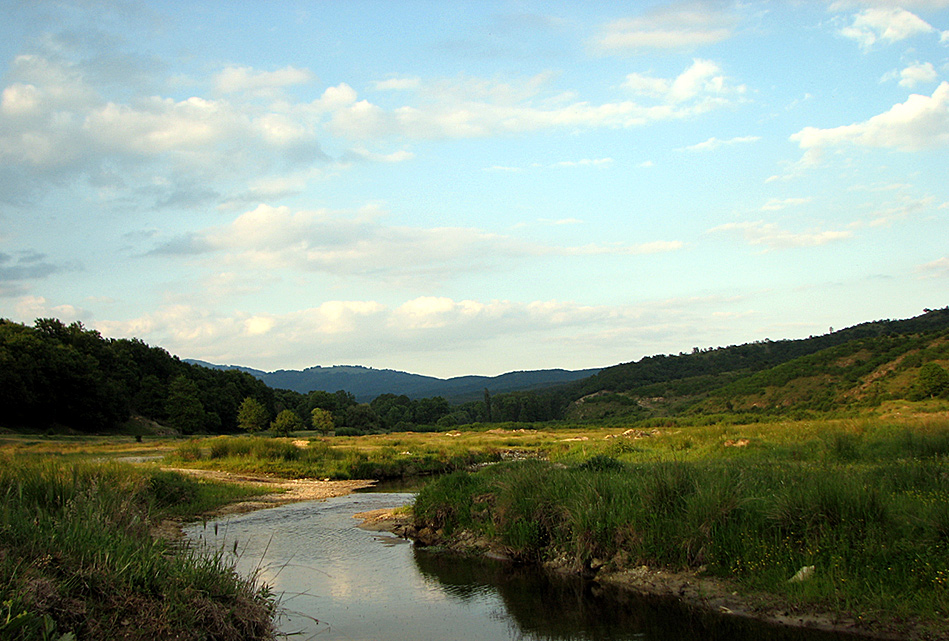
<point x="554" y="607"/>
<point x="340" y="582"/>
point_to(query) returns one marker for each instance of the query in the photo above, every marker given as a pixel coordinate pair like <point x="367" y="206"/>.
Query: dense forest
<point x="55" y="376"/>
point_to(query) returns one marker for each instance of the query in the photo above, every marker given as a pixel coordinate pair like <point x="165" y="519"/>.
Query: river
<point x="339" y="582"/>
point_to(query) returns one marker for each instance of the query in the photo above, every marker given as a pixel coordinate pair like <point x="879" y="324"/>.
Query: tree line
<point x="56" y="376"/>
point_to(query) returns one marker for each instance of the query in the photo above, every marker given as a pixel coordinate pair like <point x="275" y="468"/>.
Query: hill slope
<point x="765" y="375"/>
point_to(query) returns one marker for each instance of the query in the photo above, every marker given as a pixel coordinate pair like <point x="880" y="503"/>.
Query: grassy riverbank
<point x="865" y="503"/>
<point x="77" y="559"/>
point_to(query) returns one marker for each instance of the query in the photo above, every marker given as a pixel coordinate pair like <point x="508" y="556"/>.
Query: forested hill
<point x="64" y="377"/>
<point x="59" y="377"/>
<point x="366" y="383"/>
<point x="669" y="384"/>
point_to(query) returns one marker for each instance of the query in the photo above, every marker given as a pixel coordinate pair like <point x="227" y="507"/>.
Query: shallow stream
<point x="339" y="582"/>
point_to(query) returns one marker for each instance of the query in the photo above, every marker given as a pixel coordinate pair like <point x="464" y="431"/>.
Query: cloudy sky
<point x="471" y="188"/>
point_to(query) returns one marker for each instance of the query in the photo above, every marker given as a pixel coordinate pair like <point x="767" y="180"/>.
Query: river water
<point x="339" y="582"/>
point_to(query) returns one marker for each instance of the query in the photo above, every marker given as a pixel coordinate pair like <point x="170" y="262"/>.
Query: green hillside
<point x="857" y="366"/>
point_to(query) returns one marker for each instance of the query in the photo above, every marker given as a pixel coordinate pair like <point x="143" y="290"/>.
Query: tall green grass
<point x="868" y="509"/>
<point x="77" y="559"/>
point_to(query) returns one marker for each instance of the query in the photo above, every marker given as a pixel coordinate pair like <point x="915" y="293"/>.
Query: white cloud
<point x="918" y="73"/>
<point x="938" y="268"/>
<point x="54" y="124"/>
<point x="34" y="307"/>
<point x="336" y="331"/>
<point x="358" y="243"/>
<point x="922" y="122"/>
<point x="842" y="5"/>
<point x="702" y="84"/>
<point x="473" y="108"/>
<point x="682" y="26"/>
<point x="773" y="237"/>
<point x="777" y="204"/>
<point x="714" y="143"/>
<point x="563" y="164"/>
<point x="585" y="162"/>
<point x="885" y="24"/>
<point x="595" y="249"/>
<point x="246" y="79"/>
<point x="397" y="84"/>
<point x="396" y="156"/>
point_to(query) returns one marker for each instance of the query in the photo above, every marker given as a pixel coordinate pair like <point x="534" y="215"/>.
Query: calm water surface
<point x="339" y="582"/>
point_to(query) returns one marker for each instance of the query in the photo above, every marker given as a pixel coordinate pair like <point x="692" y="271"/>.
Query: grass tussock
<point x="866" y="505"/>
<point x="77" y="560"/>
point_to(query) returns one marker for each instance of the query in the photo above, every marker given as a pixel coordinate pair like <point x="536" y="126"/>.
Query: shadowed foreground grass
<point x="77" y="560"/>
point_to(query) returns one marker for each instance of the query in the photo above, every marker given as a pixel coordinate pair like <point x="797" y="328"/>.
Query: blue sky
<point x="471" y="188"/>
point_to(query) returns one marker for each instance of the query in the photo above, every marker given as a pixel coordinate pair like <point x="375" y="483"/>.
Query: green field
<point x="865" y="501"/>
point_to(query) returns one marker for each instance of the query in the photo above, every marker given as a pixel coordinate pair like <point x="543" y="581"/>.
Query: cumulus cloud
<point x="53" y="123"/>
<point x="701" y="83"/>
<point x="474" y="108"/>
<point x="681" y="26"/>
<point x="403" y="333"/>
<point x="397" y="84"/>
<point x="771" y="236"/>
<point x="585" y="162"/>
<point x="918" y="73"/>
<point x="714" y="143"/>
<point x="938" y="268"/>
<point x="247" y="79"/>
<point x="887" y="24"/>
<point x="922" y="122"/>
<point x="359" y="243"/>
<point x="776" y="204"/>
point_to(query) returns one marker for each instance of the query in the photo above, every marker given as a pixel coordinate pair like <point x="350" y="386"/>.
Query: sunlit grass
<point x="864" y="501"/>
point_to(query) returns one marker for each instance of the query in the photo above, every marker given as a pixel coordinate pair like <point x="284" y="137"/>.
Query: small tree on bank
<point x="252" y="415"/>
<point x="322" y="420"/>
<point x="287" y="421"/>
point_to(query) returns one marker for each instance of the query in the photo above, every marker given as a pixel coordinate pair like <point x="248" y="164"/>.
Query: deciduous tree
<point x="252" y="415"/>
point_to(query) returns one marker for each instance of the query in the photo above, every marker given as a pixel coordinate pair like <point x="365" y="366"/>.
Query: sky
<point x="453" y="188"/>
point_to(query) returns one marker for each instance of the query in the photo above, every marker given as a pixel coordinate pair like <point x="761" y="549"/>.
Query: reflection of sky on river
<point x="357" y="584"/>
<point x="338" y="582"/>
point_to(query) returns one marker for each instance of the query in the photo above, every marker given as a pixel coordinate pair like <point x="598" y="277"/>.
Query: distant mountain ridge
<point x="366" y="383"/>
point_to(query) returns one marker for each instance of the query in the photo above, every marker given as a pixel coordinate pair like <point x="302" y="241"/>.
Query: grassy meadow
<point x="864" y="500"/>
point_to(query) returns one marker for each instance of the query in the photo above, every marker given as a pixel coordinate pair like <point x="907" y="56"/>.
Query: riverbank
<point x="690" y="588"/>
<point x="731" y="539"/>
